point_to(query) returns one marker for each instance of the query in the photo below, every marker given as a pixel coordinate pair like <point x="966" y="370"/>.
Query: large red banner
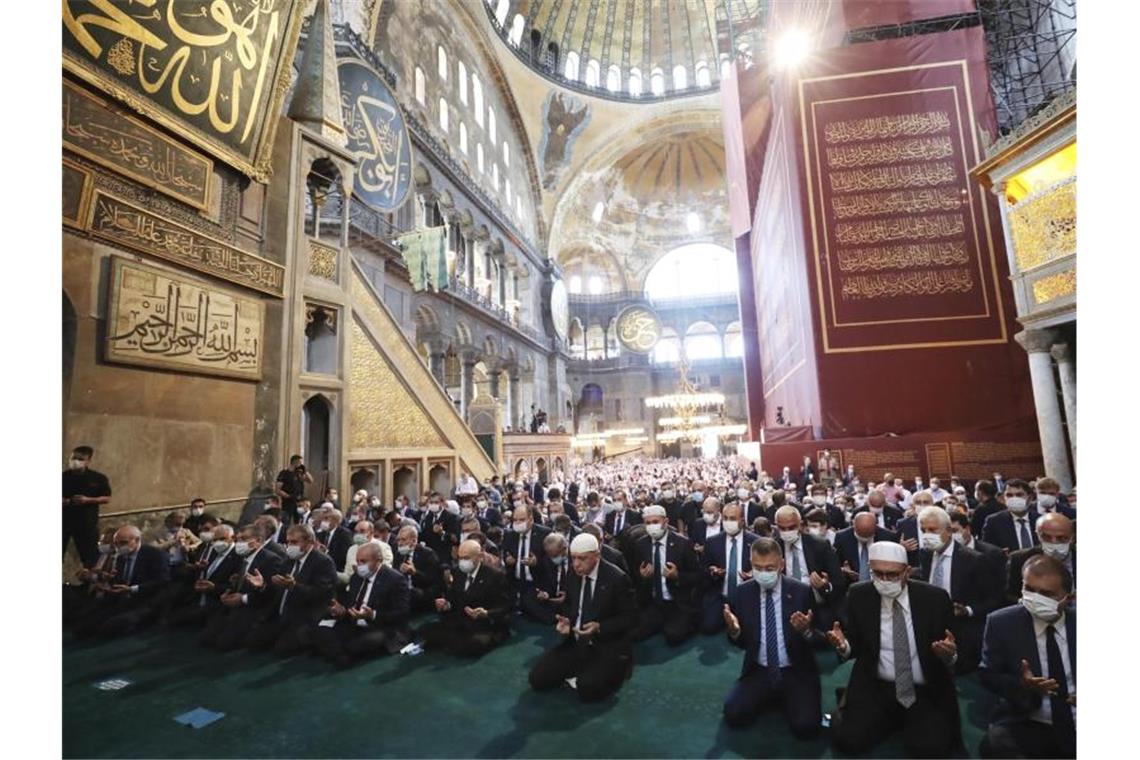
<point x="860" y="14"/>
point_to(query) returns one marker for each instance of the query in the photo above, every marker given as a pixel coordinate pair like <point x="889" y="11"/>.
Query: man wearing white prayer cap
<point x="898" y="633"/>
<point x="595" y="623"/>
<point x="668" y="579"/>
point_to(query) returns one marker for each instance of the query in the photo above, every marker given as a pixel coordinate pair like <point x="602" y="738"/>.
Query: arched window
<point x="421" y="87"/>
<point x="613" y="78"/>
<point x="495" y="175"/>
<point x="733" y="341"/>
<point x="635" y="82"/>
<point x="668" y="347"/>
<point x="593" y="73"/>
<point x="442" y="61"/>
<point x="575" y="283"/>
<point x="595" y="343"/>
<point x="577" y="338"/>
<point x="690" y="270"/>
<point x="515" y="37"/>
<point x="595" y="285"/>
<point x="506" y="155"/>
<point x="702" y="341"/>
<point x="491" y="125"/>
<point x="507" y="190"/>
<point x="704" y="78"/>
<point x="462" y="83"/>
<point x="725" y="66"/>
<point x="443" y="114"/>
<point x="571" y="71"/>
<point x="518" y="205"/>
<point x="479" y="156"/>
<point x="680" y="77"/>
<point x="463" y="137"/>
<point x="613" y="345"/>
<point x="477" y="98"/>
<point x="501" y="11"/>
<point x="657" y="82"/>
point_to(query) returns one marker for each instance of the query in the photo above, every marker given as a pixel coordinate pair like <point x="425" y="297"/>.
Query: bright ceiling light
<point x="791" y="48"/>
<point x="693" y="222"/>
<point x="598" y="209"/>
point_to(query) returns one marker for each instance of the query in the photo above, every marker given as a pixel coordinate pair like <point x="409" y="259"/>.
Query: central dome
<point x="638" y="50"/>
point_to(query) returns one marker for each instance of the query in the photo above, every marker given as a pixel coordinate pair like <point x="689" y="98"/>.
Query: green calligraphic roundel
<point x="377" y="136"/>
<point x="638" y="329"/>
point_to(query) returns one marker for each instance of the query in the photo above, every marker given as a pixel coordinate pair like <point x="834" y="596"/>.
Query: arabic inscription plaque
<point x="158" y="319"/>
<point x="377" y="136"/>
<point x="638" y="329"/>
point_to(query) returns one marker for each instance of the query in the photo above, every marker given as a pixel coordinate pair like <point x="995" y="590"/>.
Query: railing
<point x="623" y="361"/>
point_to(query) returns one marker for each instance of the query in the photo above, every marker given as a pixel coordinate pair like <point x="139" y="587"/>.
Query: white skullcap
<point x="653" y="510"/>
<point x="582" y="543"/>
<point x="888" y="551"/>
<point x="327" y="505"/>
<point x="452" y="504"/>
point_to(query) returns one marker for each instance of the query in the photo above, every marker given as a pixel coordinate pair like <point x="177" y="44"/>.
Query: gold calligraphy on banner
<point x="897" y="284"/>
<point x="892" y="177"/>
<point x="881" y="127"/>
<point x="158" y="319"/>
<point x="97" y="131"/>
<point x="910" y="256"/>
<point x="212" y="70"/>
<point x="897" y="202"/>
<point x="903" y="228"/>
<point x="870" y="154"/>
<point x="121" y="222"/>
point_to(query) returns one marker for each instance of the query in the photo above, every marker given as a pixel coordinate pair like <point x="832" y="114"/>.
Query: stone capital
<point x="1063" y="353"/>
<point x="1036" y="341"/>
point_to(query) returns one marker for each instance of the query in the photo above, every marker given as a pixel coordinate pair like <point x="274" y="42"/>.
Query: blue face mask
<point x="766" y="579"/>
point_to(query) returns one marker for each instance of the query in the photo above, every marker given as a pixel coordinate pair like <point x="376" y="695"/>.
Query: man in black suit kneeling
<point x="595" y="622"/>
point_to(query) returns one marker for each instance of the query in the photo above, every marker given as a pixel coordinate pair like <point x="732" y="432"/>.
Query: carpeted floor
<point x="429" y="705"/>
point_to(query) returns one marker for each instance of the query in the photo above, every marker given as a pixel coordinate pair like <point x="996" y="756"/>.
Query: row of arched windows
<point x="702" y="341"/>
<point x="635" y="85"/>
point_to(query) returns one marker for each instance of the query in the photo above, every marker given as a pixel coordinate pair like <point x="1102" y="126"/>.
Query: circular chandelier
<point x="692" y="416"/>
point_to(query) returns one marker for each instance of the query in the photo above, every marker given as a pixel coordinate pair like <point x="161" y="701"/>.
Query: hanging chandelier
<point x="692" y="411"/>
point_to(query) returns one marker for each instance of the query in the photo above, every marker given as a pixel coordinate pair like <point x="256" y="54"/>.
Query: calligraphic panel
<point x="638" y="329"/>
<point x="76" y="193"/>
<point x="213" y="71"/>
<point x="377" y="136"/>
<point x="110" y="138"/>
<point x="157" y="318"/>
<point x="120" y="222"/>
<point x="904" y="242"/>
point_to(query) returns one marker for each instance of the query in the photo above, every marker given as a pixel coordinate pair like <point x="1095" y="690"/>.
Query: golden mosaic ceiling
<point x="674" y="167"/>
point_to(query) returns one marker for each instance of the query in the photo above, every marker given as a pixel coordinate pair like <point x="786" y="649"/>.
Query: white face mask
<point x="816" y="531"/>
<point x="889" y="589"/>
<point x="694" y="496"/>
<point x="1047" y="501"/>
<point x="1017" y="504"/>
<point x="106" y="548"/>
<point x="864" y="539"/>
<point x="558" y="561"/>
<point x="242" y="548"/>
<point x="709" y="518"/>
<point x="766" y="579"/>
<point x="363" y="571"/>
<point x="655" y="530"/>
<point x="789" y="536"/>
<point x="819" y="500"/>
<point x="122" y="551"/>
<point x="196" y="511"/>
<point x="405" y="550"/>
<point x="77" y="464"/>
<point x="325" y="525"/>
<point x="1044" y="608"/>
<point x="731" y="527"/>
<point x="742" y="494"/>
<point x="932" y="541"/>
<point x="876" y="510"/>
<point x="207" y="536"/>
<point x="220" y="546"/>
<point x="292" y="551"/>
<point x="520" y="526"/>
<point x="466" y="566"/>
<point x="1059" y="550"/>
<point x="433" y="508"/>
<point x="359" y="538"/>
<point x="666" y="495"/>
<point x="960" y="538"/>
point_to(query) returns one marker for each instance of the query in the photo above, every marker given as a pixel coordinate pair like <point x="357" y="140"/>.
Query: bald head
<point x="876" y="499"/>
<point x="127" y="539"/>
<point x="865" y="524"/>
<point x="471" y="550"/>
<point x="1055" y="528"/>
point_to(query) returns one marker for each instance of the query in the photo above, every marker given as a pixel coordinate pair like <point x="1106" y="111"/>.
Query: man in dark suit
<point x="215" y="567"/>
<point x="333" y="536"/>
<point x="898" y="633"/>
<point x="985" y="499"/>
<point x="620" y="518"/>
<point x="549" y="590"/>
<point x="907" y="528"/>
<point x="299" y="594"/>
<point x="522" y="552"/>
<point x="557" y="504"/>
<point x="771" y="620"/>
<point x="139" y="574"/>
<point x="836" y="518"/>
<point x="886" y="515"/>
<point x="966" y="576"/>
<point x="1054" y="533"/>
<point x="439" y="529"/>
<point x="1029" y="660"/>
<point x="853" y="544"/>
<point x="813" y="562"/>
<point x="962" y="529"/>
<point x="245" y="597"/>
<point x="708" y="526"/>
<point x="669" y="576"/>
<point x="488" y="514"/>
<point x="371" y="615"/>
<point x="1050" y="499"/>
<point x="420" y="568"/>
<point x="1012" y="528"/>
<point x="609" y="553"/>
<point x="724" y="564"/>
<point x="475" y="610"/>
<point x="595" y="622"/>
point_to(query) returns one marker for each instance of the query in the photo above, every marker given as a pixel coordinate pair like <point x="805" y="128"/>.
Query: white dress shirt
<point x="345" y="575"/>
<point x="1044" y="713"/>
<point x="665" y="595"/>
<point x="470" y="487"/>
<point x="361" y="622"/>
<point x="521" y="570"/>
<point x="1017" y="523"/>
<point x="887" y="638"/>
<point x="593" y="576"/>
<point x="712" y="530"/>
<point x="796" y="548"/>
<point x="777" y="596"/>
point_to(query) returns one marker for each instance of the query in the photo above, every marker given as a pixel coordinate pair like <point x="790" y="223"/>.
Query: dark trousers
<point x="600" y="670"/>
<point x="1025" y="738"/>
<point x="454" y="638"/>
<point x="423" y="599"/>
<point x="929" y="729"/>
<point x="538" y="609"/>
<point x="282" y="636"/>
<point x="110" y="617"/>
<point x="968" y="634"/>
<point x="346" y="642"/>
<point x="227" y="628"/>
<point x="797" y="693"/>
<point x="711" y="616"/>
<point x="81" y="524"/>
<point x="674" y="619"/>
<point x="78" y="601"/>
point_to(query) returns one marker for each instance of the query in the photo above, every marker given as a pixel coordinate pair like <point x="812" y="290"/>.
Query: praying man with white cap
<point x="595" y="623"/>
<point x="898" y="634"/>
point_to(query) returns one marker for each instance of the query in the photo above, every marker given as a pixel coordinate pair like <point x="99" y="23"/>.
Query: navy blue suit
<point x="798" y="685"/>
<point x="1009" y="638"/>
<point x="716" y="555"/>
<point x="847" y="546"/>
<point x="1001" y="530"/>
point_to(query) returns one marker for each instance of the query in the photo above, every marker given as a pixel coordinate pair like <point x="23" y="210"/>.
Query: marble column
<point x="513" y="401"/>
<point x="467" y="387"/>
<point x="435" y="362"/>
<point x="494" y="376"/>
<point x="1067" y="369"/>
<point x="1050" y="425"/>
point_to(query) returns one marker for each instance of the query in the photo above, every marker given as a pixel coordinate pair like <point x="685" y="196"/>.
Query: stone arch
<point x="316" y="434"/>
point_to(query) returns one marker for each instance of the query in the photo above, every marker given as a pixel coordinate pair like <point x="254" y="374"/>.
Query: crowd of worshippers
<point x="914" y="585"/>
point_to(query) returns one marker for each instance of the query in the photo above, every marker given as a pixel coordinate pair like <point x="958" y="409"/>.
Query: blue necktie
<point x="864" y="565"/>
<point x="731" y="570"/>
<point x="657" y="571"/>
<point x="771" y="645"/>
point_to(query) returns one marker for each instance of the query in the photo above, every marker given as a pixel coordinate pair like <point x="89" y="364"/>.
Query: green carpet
<point x="431" y="705"/>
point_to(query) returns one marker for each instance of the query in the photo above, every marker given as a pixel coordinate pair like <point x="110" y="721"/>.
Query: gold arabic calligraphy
<point x="869" y="154"/>
<point x="909" y="256"/>
<point x="880" y="127"/>
<point x="639" y="330"/>
<point x="917" y="283"/>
